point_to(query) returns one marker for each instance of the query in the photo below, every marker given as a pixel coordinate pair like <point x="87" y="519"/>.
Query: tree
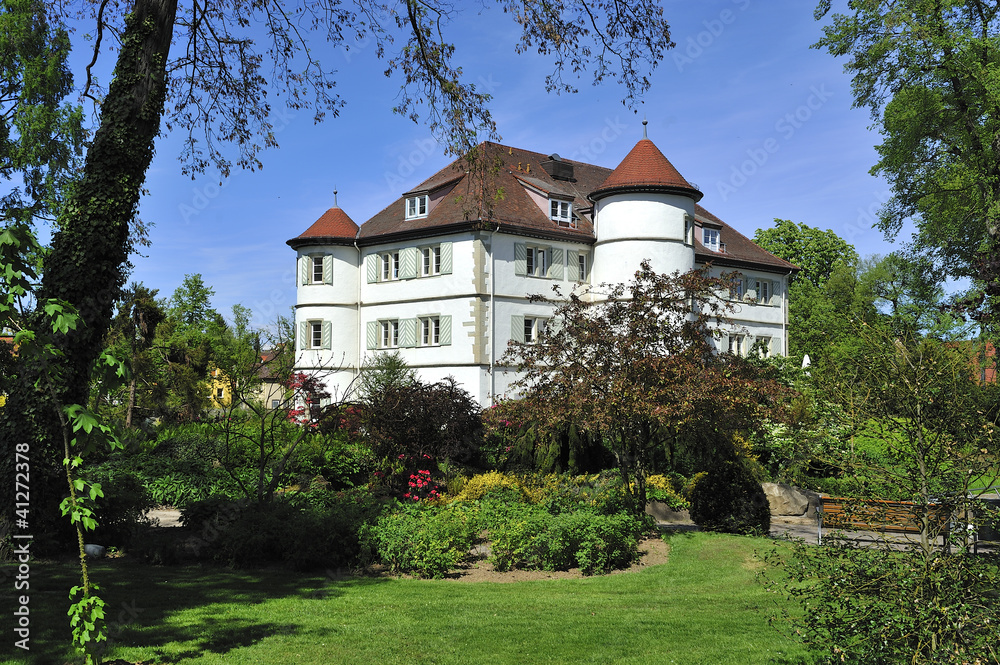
<point x="132" y="335"/>
<point x="41" y="136"/>
<point x="816" y="252"/>
<point x="916" y="603"/>
<point x="927" y="72"/>
<point x="638" y="368"/>
<point x="216" y="85"/>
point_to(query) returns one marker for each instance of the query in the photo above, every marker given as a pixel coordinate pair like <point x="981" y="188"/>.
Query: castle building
<point x="444" y="273"/>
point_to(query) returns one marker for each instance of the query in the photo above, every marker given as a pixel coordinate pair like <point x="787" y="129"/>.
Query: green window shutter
<point x="776" y="348"/>
<point x="520" y="259"/>
<point x="371" y="334"/>
<point x="517" y="328"/>
<point x="328" y="268"/>
<point x="573" y="266"/>
<point x="304" y="335"/>
<point x="408" y="333"/>
<point x="304" y="267"/>
<point x="775" y="299"/>
<point x="408" y="263"/>
<point x="445" y="334"/>
<point x="327" y="336"/>
<point x="724" y="344"/>
<point x="555" y="264"/>
<point x="446" y="252"/>
<point x="372" y="266"/>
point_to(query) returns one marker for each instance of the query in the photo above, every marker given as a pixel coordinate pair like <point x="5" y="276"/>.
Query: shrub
<point x="729" y="499"/>
<point x="301" y="533"/>
<point x="422" y="542"/>
<point x="480" y="485"/>
<point x="661" y="488"/>
<point x="878" y="607"/>
<point x="121" y="511"/>
<point x="541" y="541"/>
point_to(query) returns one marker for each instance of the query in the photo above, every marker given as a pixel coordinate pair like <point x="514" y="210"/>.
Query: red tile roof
<point x="740" y="250"/>
<point x="645" y="168"/>
<point x="334" y="223"/>
<point x="495" y="193"/>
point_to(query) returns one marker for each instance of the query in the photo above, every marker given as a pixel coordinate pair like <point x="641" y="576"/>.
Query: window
<point x="317" y="269"/>
<point x="763" y="291"/>
<point x="416" y="206"/>
<point x="315" y="334"/>
<point x="275" y="403"/>
<point x="582" y="261"/>
<point x="736" y="343"/>
<point x="710" y="238"/>
<point x="390" y="266"/>
<point x="390" y="334"/>
<point x="430" y="331"/>
<point x="218" y="393"/>
<point x="688" y="229"/>
<point x="533" y="327"/>
<point x="536" y="262"/>
<point x="736" y="290"/>
<point x="763" y="344"/>
<point x="562" y="212"/>
<point x="430" y="260"/>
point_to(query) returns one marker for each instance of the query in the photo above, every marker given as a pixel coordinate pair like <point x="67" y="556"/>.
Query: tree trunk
<point x="89" y="258"/>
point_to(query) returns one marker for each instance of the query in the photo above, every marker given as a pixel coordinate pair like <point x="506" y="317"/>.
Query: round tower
<point x="643" y="210"/>
<point x="327" y="273"/>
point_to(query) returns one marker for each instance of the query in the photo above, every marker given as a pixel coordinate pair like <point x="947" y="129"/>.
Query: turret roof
<point x="333" y="224"/>
<point x="645" y="168"/>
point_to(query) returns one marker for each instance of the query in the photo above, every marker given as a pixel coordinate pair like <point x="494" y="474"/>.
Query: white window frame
<point x="561" y="211"/>
<point x="316" y="269"/>
<point x="763" y="291"/>
<point x="389" y="266"/>
<point x="533" y="327"/>
<point x="388" y="337"/>
<point x="430" y="261"/>
<point x="736" y="345"/>
<point x="765" y="352"/>
<point x="537" y="261"/>
<point x="315" y="334"/>
<point x="430" y="331"/>
<point x="710" y="238"/>
<point x="581" y="260"/>
<point x="737" y="290"/>
<point x="417" y="206"/>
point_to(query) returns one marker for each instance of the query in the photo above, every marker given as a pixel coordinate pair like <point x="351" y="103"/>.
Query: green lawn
<point x="703" y="606"/>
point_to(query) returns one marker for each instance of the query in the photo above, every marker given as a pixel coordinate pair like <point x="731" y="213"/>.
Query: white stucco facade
<point x="451" y="296"/>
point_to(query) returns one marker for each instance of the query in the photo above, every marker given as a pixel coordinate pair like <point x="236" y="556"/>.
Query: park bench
<point x="877" y="515"/>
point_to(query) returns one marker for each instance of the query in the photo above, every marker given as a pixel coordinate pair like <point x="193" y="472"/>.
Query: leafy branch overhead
<point x="235" y="61"/>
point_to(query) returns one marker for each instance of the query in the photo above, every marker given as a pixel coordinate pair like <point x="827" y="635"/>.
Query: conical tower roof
<point x="645" y="169"/>
<point x="334" y="224"/>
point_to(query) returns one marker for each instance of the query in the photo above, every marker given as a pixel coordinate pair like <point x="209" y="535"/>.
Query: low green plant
<point x="583" y="539"/>
<point x="879" y="607"/>
<point x="426" y="542"/>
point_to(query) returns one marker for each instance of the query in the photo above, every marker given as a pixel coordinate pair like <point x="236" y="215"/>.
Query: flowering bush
<point x="422" y="487"/>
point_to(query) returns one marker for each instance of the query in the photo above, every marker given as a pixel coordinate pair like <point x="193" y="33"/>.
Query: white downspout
<point x="493" y="327"/>
<point x="784" y="316"/>
<point x="357" y="369"/>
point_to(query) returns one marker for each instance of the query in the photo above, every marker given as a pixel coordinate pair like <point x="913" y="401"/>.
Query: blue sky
<point x="742" y="107"/>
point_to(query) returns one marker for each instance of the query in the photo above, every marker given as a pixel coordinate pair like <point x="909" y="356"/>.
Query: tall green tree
<point x="131" y="338"/>
<point x="928" y="72"/>
<point x="816" y="252"/>
<point x="642" y="374"/>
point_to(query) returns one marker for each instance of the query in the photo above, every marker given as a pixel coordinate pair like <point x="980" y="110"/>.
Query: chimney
<point x="558" y="169"/>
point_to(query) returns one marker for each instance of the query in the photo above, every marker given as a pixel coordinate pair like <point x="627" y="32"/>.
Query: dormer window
<point x="416" y="206"/>
<point x="710" y="239"/>
<point x="561" y="211"/>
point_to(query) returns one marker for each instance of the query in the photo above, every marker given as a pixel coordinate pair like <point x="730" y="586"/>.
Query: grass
<point x="703" y="606"/>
